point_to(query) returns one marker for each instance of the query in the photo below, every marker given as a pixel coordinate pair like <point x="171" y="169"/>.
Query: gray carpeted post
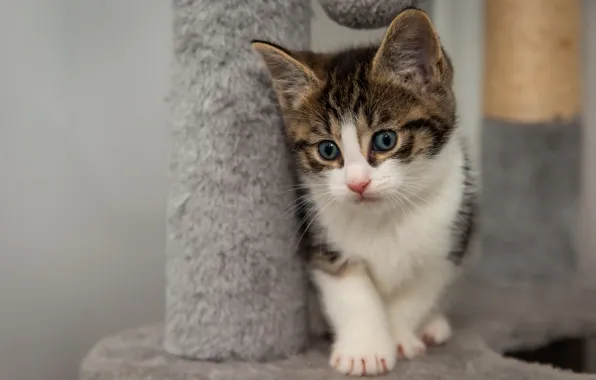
<point x="531" y="141"/>
<point x="587" y="261"/>
<point x="530" y="182"/>
<point x="235" y="288"/>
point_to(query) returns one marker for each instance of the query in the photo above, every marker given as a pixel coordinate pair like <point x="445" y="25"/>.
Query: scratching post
<point x="235" y="287"/>
<point x="531" y="139"/>
<point x="533" y="60"/>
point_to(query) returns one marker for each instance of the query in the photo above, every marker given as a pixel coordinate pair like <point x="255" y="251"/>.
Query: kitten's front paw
<point x="436" y="331"/>
<point x="363" y="354"/>
<point x="408" y="345"/>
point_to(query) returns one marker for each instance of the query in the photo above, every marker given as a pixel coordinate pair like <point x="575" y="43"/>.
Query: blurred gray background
<point x="83" y="154"/>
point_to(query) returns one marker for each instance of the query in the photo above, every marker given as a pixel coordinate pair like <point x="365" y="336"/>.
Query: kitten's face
<point x="366" y="145"/>
<point x="367" y="124"/>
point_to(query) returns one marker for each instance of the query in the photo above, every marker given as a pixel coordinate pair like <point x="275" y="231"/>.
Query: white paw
<point x="363" y="355"/>
<point x="408" y="345"/>
<point x="436" y="331"/>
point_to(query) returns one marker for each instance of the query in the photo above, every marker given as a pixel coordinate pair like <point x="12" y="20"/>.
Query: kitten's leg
<point x="318" y="326"/>
<point x="410" y="307"/>
<point x="363" y="344"/>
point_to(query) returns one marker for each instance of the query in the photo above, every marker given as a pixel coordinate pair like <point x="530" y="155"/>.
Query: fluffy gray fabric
<point x="235" y="288"/>
<point x="530" y="191"/>
<point x="488" y="319"/>
<point x="368" y="14"/>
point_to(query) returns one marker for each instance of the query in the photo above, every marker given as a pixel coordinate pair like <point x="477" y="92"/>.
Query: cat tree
<point x="235" y="292"/>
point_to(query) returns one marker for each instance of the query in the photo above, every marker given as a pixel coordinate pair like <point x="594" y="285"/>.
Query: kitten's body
<point x="386" y="197"/>
<point x="407" y="234"/>
<point x="410" y="250"/>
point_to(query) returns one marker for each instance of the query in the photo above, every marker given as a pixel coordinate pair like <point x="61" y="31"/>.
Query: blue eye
<point x="328" y="150"/>
<point x="384" y="141"/>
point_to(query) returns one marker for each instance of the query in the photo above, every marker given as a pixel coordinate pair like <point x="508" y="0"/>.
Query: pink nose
<point x="358" y="187"/>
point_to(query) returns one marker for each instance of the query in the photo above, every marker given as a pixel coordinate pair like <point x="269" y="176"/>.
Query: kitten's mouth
<point x="367" y="199"/>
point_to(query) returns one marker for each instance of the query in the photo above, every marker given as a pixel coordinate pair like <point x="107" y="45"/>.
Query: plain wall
<point x="82" y="164"/>
<point x="83" y="157"/>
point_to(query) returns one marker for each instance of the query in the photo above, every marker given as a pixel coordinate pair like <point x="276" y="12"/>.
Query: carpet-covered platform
<point x="489" y="319"/>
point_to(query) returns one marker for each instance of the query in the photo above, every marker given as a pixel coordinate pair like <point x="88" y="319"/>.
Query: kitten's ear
<point x="291" y="78"/>
<point x="410" y="49"/>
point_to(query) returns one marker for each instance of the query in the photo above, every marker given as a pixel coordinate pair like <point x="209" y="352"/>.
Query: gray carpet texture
<point x="368" y="14"/>
<point x="530" y="194"/>
<point x="488" y="319"/>
<point x="235" y="287"/>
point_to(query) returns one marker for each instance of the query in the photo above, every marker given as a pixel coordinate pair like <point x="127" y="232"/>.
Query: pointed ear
<point x="410" y="50"/>
<point x="291" y="78"/>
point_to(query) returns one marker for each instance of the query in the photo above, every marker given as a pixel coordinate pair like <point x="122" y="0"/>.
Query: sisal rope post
<point x="533" y="60"/>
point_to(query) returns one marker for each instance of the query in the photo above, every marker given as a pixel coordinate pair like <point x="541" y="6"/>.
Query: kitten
<point x="387" y="197"/>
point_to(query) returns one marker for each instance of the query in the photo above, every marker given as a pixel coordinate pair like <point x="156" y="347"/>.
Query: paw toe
<point x="436" y="331"/>
<point x="410" y="350"/>
<point x="364" y="365"/>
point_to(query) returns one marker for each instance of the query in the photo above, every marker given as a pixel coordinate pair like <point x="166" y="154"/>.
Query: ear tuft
<point x="292" y="79"/>
<point x="410" y="49"/>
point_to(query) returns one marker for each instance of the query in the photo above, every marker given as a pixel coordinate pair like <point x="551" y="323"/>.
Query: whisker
<point x="394" y="202"/>
<point x="327" y="204"/>
<point x="432" y="194"/>
<point x="311" y="212"/>
<point x="287" y="190"/>
<point x="304" y="185"/>
<point x="434" y="218"/>
<point x="293" y="207"/>
<point x="402" y="206"/>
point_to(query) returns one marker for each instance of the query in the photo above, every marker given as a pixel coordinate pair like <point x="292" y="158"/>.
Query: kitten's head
<point x="367" y="124"/>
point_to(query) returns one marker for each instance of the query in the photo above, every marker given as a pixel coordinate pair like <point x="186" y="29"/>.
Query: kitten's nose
<point x="358" y="187"/>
